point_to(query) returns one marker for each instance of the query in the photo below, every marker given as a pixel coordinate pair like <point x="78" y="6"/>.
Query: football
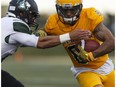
<point x="89" y="45"/>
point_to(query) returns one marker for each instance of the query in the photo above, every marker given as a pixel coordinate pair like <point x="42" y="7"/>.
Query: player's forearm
<point x="105" y="48"/>
<point x="102" y="33"/>
<point x="47" y="42"/>
<point x="51" y="41"/>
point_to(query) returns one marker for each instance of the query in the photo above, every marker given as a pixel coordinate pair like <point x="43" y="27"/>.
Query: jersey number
<point x="74" y="53"/>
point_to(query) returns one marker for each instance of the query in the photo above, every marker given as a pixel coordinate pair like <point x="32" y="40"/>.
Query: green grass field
<point x="41" y="71"/>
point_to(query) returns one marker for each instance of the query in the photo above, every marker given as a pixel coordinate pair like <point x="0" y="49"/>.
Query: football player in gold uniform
<point x="91" y="69"/>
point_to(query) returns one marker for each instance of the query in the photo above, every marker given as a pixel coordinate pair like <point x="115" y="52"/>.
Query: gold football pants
<point x="91" y="79"/>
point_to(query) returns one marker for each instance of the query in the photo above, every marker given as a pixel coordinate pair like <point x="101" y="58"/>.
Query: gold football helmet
<point x="68" y="10"/>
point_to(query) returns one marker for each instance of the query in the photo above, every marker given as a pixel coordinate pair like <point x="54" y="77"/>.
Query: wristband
<point x="64" y="37"/>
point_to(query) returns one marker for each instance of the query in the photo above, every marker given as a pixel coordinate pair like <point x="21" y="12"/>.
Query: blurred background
<point x="51" y="67"/>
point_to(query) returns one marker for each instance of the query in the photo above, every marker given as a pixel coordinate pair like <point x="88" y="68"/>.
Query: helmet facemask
<point x="68" y="14"/>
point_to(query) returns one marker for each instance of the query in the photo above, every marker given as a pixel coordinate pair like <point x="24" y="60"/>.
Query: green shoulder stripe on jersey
<point x="20" y="27"/>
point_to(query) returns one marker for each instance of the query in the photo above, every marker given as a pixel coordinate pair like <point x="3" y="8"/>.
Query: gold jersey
<point x="89" y="19"/>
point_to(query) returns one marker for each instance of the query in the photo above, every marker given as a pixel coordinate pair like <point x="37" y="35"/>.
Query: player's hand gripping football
<point x="84" y="56"/>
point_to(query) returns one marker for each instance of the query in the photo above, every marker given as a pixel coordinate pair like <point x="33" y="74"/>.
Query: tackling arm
<point x="51" y="41"/>
<point x="48" y="41"/>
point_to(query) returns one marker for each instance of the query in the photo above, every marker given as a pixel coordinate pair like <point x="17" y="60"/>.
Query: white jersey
<point x="15" y="33"/>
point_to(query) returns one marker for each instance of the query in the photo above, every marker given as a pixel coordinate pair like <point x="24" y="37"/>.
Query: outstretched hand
<point x="40" y="33"/>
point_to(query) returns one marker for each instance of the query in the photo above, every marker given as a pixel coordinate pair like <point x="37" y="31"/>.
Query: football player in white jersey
<point x="16" y="32"/>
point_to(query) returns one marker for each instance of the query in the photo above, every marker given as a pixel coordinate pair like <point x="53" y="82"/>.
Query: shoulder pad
<point x="93" y="14"/>
<point x="21" y="27"/>
<point x="52" y="21"/>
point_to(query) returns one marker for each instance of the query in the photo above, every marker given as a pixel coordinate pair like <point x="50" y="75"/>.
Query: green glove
<point x="81" y="55"/>
<point x="40" y="33"/>
<point x="85" y="55"/>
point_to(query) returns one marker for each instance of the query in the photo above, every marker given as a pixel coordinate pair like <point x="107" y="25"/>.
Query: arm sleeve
<point x="24" y="39"/>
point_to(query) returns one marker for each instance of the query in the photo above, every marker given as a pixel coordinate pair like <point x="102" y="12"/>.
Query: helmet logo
<point x="24" y="5"/>
<point x="28" y="5"/>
